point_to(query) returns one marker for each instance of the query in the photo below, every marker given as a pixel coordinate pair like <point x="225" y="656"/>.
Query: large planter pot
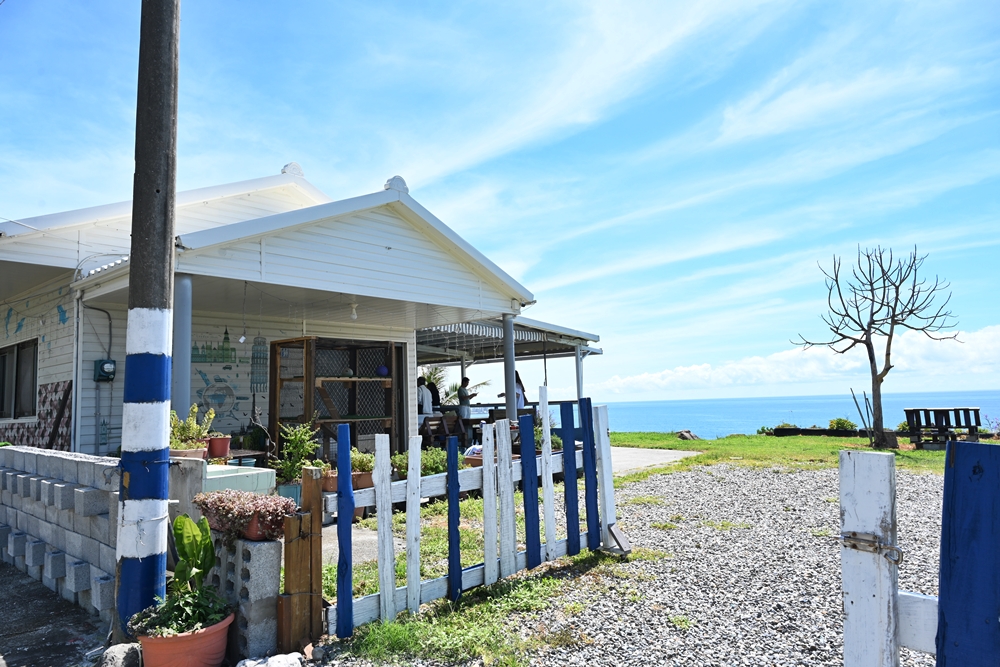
<point x="293" y="491"/>
<point x="189" y="453"/>
<point x="218" y="448"/>
<point x="782" y="432"/>
<point x="359" y="480"/>
<point x="841" y="433"/>
<point x="201" y="648"/>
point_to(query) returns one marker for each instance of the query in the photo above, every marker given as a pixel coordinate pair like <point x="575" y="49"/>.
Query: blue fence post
<point x="529" y="487"/>
<point x="454" y="542"/>
<point x="969" y="584"/>
<point x="590" y="475"/>
<point x="568" y="434"/>
<point x="345" y="517"/>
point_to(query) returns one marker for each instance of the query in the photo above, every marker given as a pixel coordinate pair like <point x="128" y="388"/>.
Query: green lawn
<point x="806" y="451"/>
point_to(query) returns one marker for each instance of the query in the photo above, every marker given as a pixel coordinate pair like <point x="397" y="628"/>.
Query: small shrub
<point x="432" y="462"/>
<point x="903" y="427"/>
<point x="361" y="462"/>
<point x="765" y="430"/>
<point x="843" y="424"/>
<point x="297" y="447"/>
<point x="786" y="425"/>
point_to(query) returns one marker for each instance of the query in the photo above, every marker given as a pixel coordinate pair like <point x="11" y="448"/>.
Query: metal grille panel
<point x="369" y="359"/>
<point x="332" y="363"/>
<point x="338" y="395"/>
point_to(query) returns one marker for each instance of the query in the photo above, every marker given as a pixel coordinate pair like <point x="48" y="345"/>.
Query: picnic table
<point x="931" y="428"/>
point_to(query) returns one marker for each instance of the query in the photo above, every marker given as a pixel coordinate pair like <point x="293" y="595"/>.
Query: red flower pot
<point x="253" y="531"/>
<point x="218" y="448"/>
<point x="201" y="648"/>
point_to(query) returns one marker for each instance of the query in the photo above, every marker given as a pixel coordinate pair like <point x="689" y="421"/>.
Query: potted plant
<point x="842" y="427"/>
<point x="362" y="466"/>
<point x="188" y="628"/>
<point x="326" y="474"/>
<point x="188" y="438"/>
<point x="218" y="445"/>
<point x="252" y="516"/>
<point x="297" y="447"/>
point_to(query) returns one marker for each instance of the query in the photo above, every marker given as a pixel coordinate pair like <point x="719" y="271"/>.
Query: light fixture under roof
<point x="354" y="311"/>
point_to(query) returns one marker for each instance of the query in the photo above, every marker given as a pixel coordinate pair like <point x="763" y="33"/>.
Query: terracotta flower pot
<point x="189" y="453"/>
<point x="201" y="648"/>
<point x="253" y="531"/>
<point x="329" y="483"/>
<point x="359" y="480"/>
<point x="218" y="448"/>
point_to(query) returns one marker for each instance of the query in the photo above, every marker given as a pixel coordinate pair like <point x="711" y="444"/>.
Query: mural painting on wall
<point x="232" y="379"/>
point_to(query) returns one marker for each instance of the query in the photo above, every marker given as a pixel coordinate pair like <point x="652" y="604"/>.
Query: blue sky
<point x="663" y="175"/>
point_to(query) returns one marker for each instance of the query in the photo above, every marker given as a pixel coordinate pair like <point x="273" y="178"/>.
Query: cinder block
<point x="65" y="519"/>
<point x="74" y="545"/>
<point x="35" y="487"/>
<point x="65" y="592"/>
<point x="3" y="477"/>
<point x="34" y="553"/>
<point x="34" y="571"/>
<point x="69" y="471"/>
<point x="66" y="496"/>
<point x="7" y="558"/>
<point x="85" y="473"/>
<point x="6" y="497"/>
<point x="48" y="495"/>
<point x="11" y="484"/>
<point x="81" y="524"/>
<point x="78" y="576"/>
<point x="108" y="560"/>
<point x="30" y="462"/>
<point x="102" y="590"/>
<point x="52" y="514"/>
<point x="107" y="616"/>
<point x="90" y="501"/>
<point x="5" y="532"/>
<point x="100" y="528"/>
<point x="3" y="514"/>
<point x="59" y="538"/>
<point x="114" y="500"/>
<point x="19" y="564"/>
<point x="92" y="550"/>
<point x="258" y="568"/>
<point x="83" y="599"/>
<point x="24" y="485"/>
<point x="107" y="476"/>
<point x="43" y="465"/>
<point x="49" y="582"/>
<point x="46" y="531"/>
<point x="22" y="520"/>
<point x="55" y="564"/>
<point x="18" y="463"/>
<point x="5" y="457"/>
<point x="16" y="542"/>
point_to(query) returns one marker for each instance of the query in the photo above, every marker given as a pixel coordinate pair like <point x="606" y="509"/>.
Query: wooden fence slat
<point x="568" y="434"/>
<point x="454" y="543"/>
<point x="918" y="621"/>
<point x="868" y="507"/>
<point x="312" y="503"/>
<point x="529" y="487"/>
<point x="345" y="517"/>
<point x="590" y="475"/>
<point x="490" y="562"/>
<point x="413" y="526"/>
<point x="548" y="490"/>
<point x="505" y="486"/>
<point x="382" y="478"/>
<point x="969" y="588"/>
<point x="291" y="615"/>
<point x="605" y="475"/>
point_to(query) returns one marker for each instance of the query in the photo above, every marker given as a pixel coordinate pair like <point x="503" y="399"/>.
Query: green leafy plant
<point x="189" y="605"/>
<point x="903" y="427"/>
<point x="765" y="430"/>
<point x="188" y="434"/>
<point x="843" y="424"/>
<point x="325" y="469"/>
<point x="297" y="447"/>
<point x="557" y="442"/>
<point x="432" y="462"/>
<point x="361" y="462"/>
<point x="786" y="425"/>
<point x="230" y="511"/>
<point x="5" y="444"/>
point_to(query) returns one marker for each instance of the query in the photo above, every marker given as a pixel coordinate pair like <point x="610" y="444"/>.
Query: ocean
<point x="715" y="418"/>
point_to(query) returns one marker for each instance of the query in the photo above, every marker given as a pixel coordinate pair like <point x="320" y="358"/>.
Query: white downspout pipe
<point x="77" y="362"/>
<point x="510" y="384"/>
<point x="579" y="372"/>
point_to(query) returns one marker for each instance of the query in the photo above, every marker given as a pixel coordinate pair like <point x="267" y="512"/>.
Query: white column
<point x="579" y="372"/>
<point x="508" y="367"/>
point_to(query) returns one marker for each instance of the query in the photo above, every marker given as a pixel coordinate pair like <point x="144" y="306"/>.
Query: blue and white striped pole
<point x="143" y="521"/>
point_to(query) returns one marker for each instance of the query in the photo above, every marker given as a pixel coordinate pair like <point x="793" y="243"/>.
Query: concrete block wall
<point x="58" y="512"/>
<point x="248" y="575"/>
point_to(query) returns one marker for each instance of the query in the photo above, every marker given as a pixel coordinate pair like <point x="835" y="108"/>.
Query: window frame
<point x="11" y="407"/>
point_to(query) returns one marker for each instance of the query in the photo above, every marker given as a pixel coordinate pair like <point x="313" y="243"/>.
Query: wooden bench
<point x="930" y="428"/>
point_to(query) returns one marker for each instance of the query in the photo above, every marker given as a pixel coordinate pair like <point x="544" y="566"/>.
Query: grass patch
<point x="644" y="500"/>
<point x="726" y="525"/>
<point x="821" y="532"/>
<point x="805" y="451"/>
<point x="681" y="622"/>
<point x="664" y="525"/>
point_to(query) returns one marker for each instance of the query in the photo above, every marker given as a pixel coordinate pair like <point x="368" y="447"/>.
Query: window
<point x="18" y="380"/>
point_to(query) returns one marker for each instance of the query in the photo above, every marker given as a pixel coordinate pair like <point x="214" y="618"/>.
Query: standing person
<point x="435" y="395"/>
<point x="465" y="400"/>
<point x="519" y="396"/>
<point x="425" y="402"/>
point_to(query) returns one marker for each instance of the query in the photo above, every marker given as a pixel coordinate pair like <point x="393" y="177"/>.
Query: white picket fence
<point x="878" y="617"/>
<point x="497" y="479"/>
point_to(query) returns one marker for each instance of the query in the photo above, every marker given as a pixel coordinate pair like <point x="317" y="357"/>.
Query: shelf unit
<point x="345" y="386"/>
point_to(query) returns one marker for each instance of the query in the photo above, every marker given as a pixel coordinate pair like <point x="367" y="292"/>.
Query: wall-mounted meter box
<point x="104" y="370"/>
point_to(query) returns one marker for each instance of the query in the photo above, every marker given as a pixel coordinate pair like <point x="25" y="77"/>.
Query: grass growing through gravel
<point x="726" y="525"/>
<point x="804" y="451"/>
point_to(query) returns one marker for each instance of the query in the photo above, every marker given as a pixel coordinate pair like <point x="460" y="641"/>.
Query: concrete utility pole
<point x="143" y="521"/>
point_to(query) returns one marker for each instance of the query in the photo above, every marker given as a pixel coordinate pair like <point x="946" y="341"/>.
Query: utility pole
<point x="143" y="521"/>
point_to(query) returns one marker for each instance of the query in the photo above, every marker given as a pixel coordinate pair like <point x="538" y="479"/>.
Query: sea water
<point x="715" y="418"/>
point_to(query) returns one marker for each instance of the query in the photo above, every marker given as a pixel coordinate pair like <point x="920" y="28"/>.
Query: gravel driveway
<point x="753" y="576"/>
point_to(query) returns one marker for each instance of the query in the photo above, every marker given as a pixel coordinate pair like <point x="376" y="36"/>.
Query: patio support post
<point x="508" y="367"/>
<point x="140" y="573"/>
<point x="579" y="373"/>
<point x="180" y="395"/>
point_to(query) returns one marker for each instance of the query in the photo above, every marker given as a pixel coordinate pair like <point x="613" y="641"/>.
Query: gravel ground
<point x="750" y="575"/>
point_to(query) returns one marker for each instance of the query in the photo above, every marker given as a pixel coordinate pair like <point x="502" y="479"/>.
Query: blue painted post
<point x="529" y="487"/>
<point x="454" y="542"/>
<point x="568" y="434"/>
<point x="590" y="475"/>
<point x="143" y="523"/>
<point x="969" y="583"/>
<point x="345" y="517"/>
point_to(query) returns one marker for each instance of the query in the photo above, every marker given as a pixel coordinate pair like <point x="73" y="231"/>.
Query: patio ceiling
<point x="482" y="340"/>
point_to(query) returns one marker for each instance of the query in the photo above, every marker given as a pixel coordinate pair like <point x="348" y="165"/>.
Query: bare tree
<point x="882" y="296"/>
